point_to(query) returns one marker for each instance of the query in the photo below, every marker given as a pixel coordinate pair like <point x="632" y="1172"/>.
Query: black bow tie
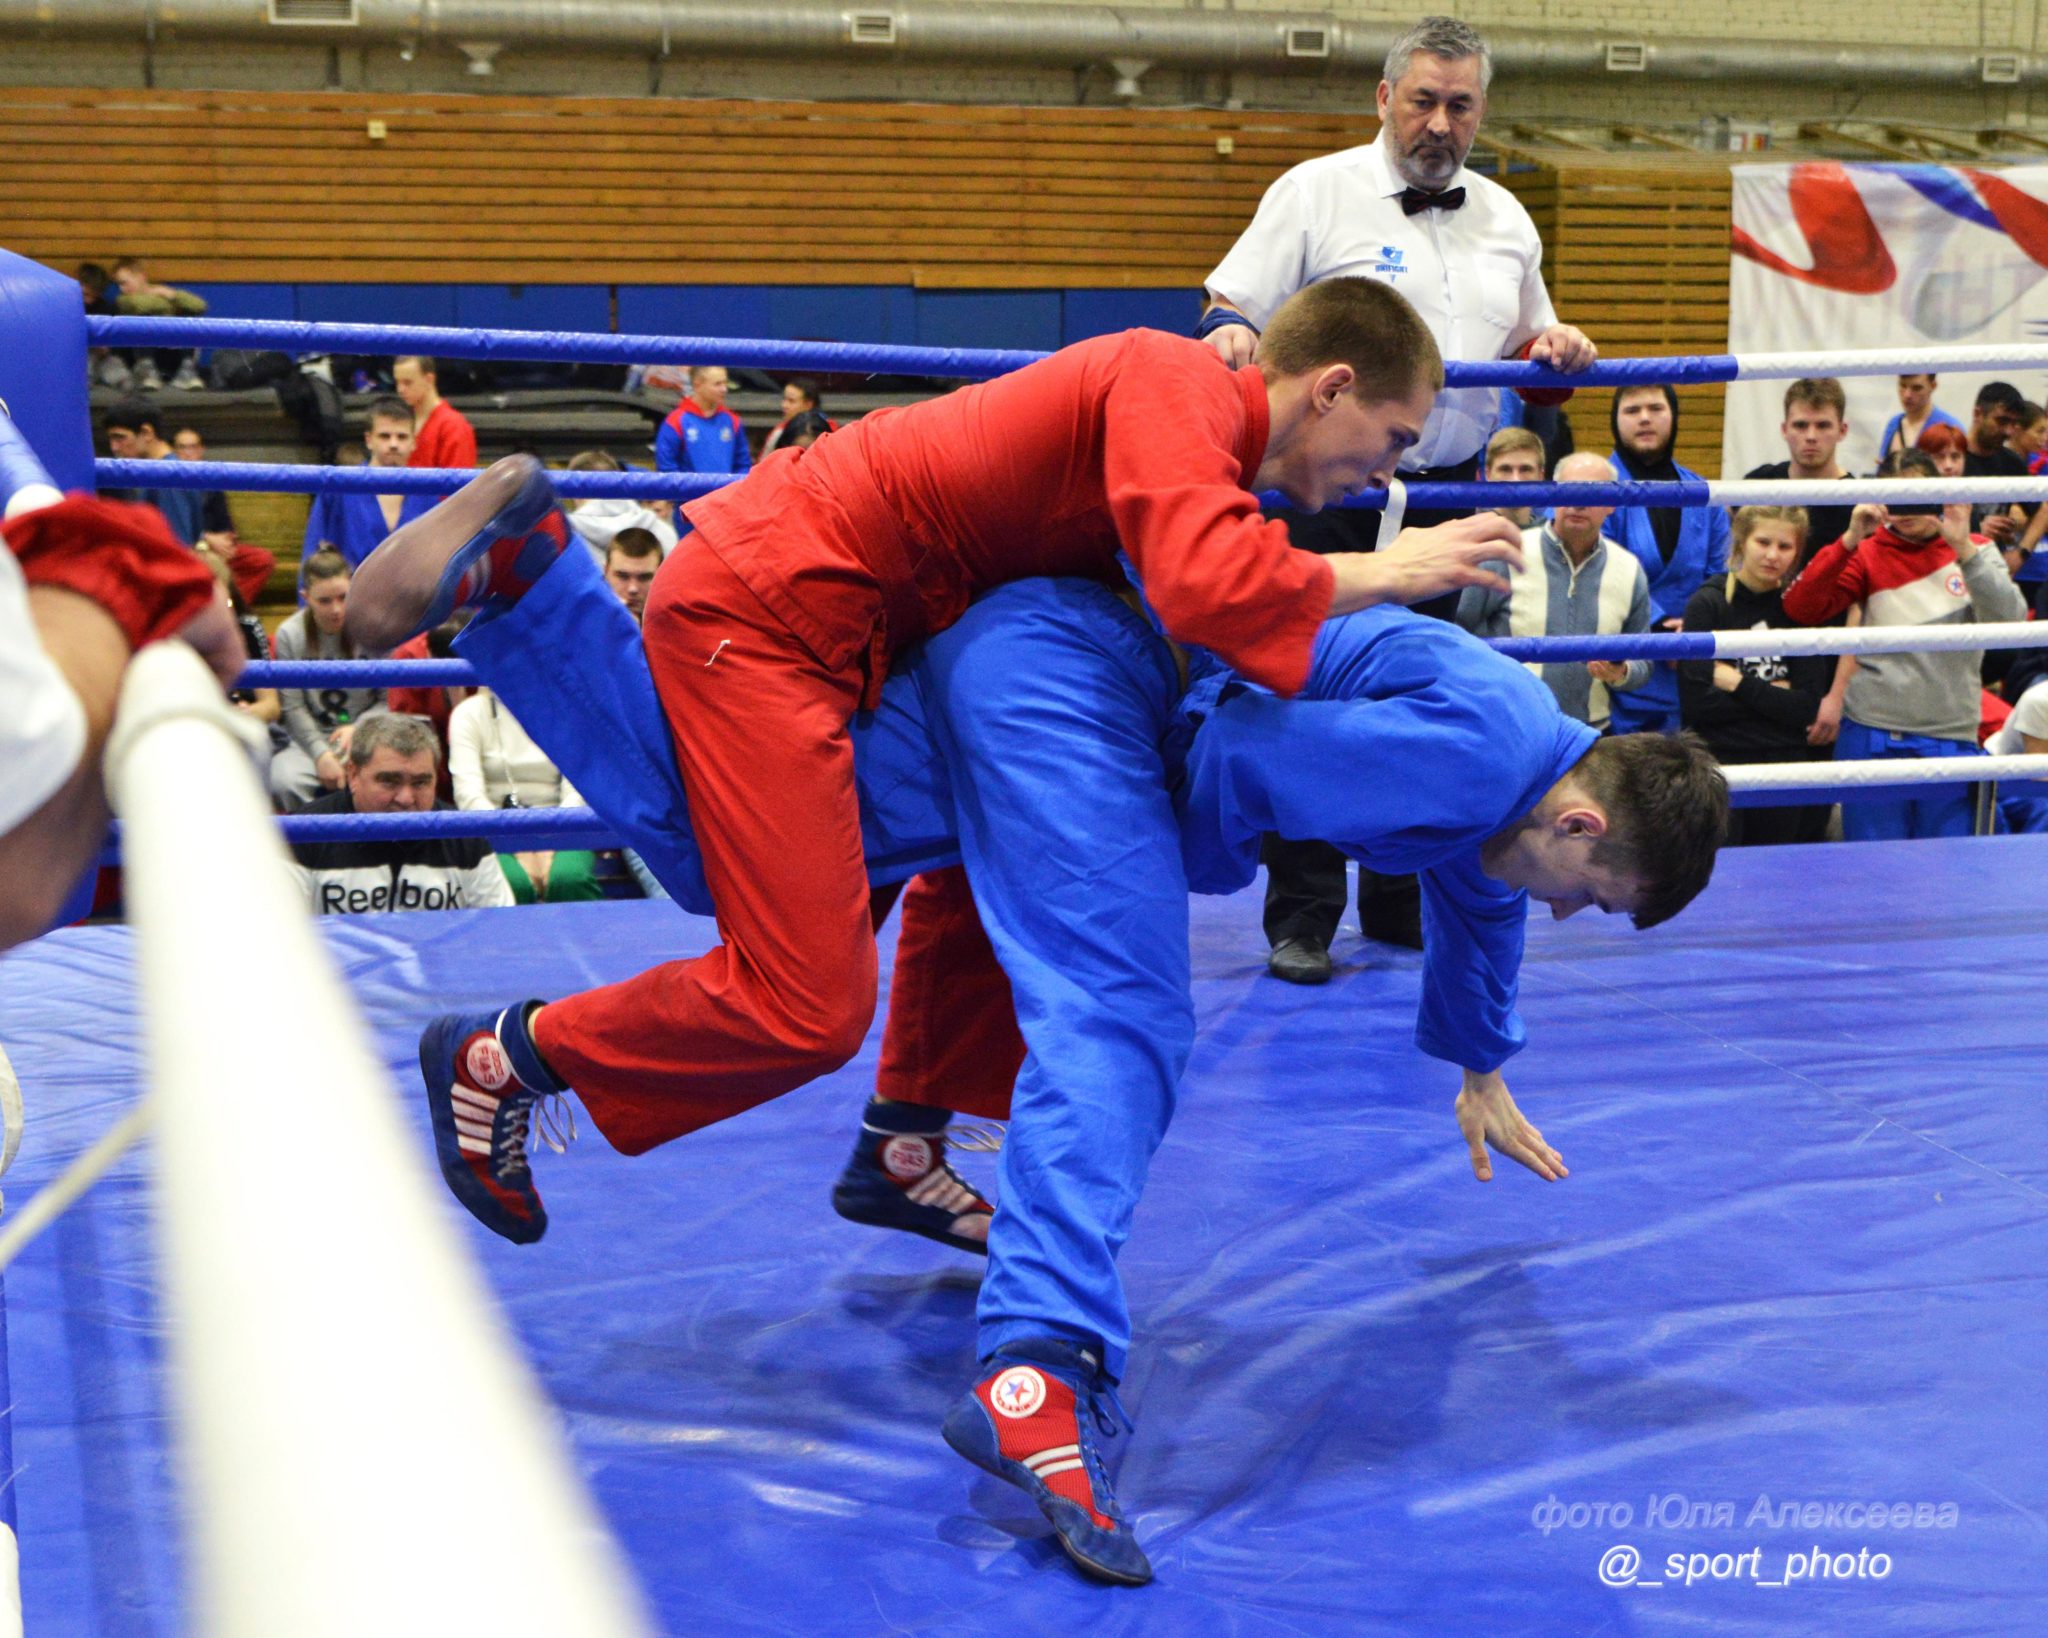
<point x="1414" y="199"/>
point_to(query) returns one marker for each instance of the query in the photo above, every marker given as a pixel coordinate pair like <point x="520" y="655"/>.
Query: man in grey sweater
<point x="1910" y="566"/>
<point x="1574" y="584"/>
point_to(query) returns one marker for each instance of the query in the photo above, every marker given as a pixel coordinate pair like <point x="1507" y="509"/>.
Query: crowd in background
<point x="1588" y="569"/>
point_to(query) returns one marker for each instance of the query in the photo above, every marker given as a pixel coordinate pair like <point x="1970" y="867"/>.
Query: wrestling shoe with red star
<point x="480" y="549"/>
<point x="484" y="1079"/>
<point x="899" y="1178"/>
<point x="1032" y="1420"/>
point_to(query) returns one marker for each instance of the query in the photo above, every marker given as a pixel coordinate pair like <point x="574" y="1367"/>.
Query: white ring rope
<point x="363" y="1448"/>
<point x="1885" y="491"/>
<point x="1779" y="642"/>
<point x="1889" y="361"/>
<point x="1946" y="770"/>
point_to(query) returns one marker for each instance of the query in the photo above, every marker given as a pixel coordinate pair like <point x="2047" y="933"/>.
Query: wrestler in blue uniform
<point x="1046" y="740"/>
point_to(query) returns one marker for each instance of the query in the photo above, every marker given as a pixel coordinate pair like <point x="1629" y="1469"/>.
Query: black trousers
<point x="1305" y="892"/>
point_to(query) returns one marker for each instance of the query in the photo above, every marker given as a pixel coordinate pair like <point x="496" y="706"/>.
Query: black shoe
<point x="1300" y="961"/>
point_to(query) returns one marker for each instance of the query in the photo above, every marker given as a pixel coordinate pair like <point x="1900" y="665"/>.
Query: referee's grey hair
<point x="402" y="736"/>
<point x="1444" y="37"/>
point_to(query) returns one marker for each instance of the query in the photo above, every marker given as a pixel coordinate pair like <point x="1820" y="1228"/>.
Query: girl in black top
<point x="1757" y="710"/>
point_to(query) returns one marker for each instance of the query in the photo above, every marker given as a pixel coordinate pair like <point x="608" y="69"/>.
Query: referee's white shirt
<point x="1474" y="274"/>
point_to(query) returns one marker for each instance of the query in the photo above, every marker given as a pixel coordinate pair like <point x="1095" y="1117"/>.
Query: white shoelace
<point x="975" y="1137"/>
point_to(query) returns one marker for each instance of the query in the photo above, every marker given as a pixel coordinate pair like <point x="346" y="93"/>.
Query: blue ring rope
<point x="251" y="476"/>
<point x="829" y="357"/>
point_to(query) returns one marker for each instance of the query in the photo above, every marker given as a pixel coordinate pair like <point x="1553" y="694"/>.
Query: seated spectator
<point x="494" y="764"/>
<point x="799" y="397"/>
<point x="1680" y="548"/>
<point x="1757" y="710"/>
<point x="630" y="563"/>
<point x="1816" y="421"/>
<point x="1948" y="446"/>
<point x="1515" y="455"/>
<point x="104" y="366"/>
<point x="1573" y="584"/>
<point x="355" y="524"/>
<point x="1909" y="566"/>
<point x="1918" y="414"/>
<point x="392" y="763"/>
<point x="806" y="429"/>
<point x="596" y="522"/>
<point x="441" y="433"/>
<point x="2023" y="809"/>
<point x="2025" y="557"/>
<point x="701" y="434"/>
<point x="139" y="296"/>
<point x="217" y="524"/>
<point x="134" y="433"/>
<point x="260" y="705"/>
<point x="320" y="721"/>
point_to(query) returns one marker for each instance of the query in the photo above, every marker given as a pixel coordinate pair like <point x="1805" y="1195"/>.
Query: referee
<point x="1403" y="210"/>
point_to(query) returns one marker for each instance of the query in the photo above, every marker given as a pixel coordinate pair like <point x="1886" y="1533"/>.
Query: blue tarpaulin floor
<point x="1801" y="1262"/>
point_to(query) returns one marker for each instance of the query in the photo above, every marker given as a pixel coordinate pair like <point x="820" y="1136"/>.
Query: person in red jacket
<point x="441" y="433"/>
<point x="776" y="620"/>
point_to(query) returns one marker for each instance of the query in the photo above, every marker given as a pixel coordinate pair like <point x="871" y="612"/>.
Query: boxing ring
<point x="1773" y="1342"/>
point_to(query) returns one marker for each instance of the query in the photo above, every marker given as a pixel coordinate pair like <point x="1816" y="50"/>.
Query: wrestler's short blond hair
<point x="1359" y="322"/>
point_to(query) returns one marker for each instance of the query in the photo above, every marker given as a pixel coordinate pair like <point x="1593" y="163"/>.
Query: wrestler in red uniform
<point x="776" y="620"/>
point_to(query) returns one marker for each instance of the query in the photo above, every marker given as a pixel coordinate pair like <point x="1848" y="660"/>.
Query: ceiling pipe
<point x="1064" y="36"/>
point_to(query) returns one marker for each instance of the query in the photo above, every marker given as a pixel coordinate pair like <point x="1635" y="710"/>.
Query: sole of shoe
<point x="968" y="1442"/>
<point x="397" y="586"/>
<point x="438" y="1042"/>
<point x="978" y="1248"/>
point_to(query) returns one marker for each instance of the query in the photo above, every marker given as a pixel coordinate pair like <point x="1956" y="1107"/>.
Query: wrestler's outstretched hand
<point x="1426" y="563"/>
<point x="1488" y="1116"/>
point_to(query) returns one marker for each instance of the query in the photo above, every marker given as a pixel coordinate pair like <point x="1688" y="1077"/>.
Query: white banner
<point x="1833" y="255"/>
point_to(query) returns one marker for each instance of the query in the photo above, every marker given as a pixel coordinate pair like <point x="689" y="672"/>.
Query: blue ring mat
<point x="1801" y="1256"/>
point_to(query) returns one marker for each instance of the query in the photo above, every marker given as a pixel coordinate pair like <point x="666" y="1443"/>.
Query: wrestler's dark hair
<point x="1667" y="815"/>
<point x="388" y="407"/>
<point x="1359" y="322"/>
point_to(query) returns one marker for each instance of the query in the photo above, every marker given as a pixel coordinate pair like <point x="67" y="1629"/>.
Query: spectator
<point x="391" y="769"/>
<point x="701" y="434"/>
<point x="596" y="522"/>
<point x="441" y="434"/>
<point x="134" y="433"/>
<point x="1757" y="710"/>
<point x="630" y="563"/>
<point x="1572" y="585"/>
<point x="260" y="705"/>
<point x="1995" y="417"/>
<point x="799" y="397"/>
<point x="1816" y="420"/>
<point x="494" y="764"/>
<point x="250" y="565"/>
<point x="1909" y="566"/>
<point x="1918" y="415"/>
<point x="806" y="429"/>
<point x="319" y="721"/>
<point x="104" y="366"/>
<point x="1948" y="447"/>
<point x="1679" y="548"/>
<point x="1515" y="455"/>
<point x="355" y="524"/>
<point x="2023" y="809"/>
<point x="139" y="296"/>
<point x="434" y="706"/>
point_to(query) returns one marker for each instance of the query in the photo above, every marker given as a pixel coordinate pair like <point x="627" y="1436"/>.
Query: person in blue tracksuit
<point x="700" y="434"/>
<point x="1466" y="772"/>
<point x="1680" y="548"/>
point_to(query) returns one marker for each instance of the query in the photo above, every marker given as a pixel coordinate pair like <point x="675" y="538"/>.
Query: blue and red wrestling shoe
<point x="480" y="549"/>
<point x="1032" y="1420"/>
<point x="484" y="1079"/>
<point x="899" y="1178"/>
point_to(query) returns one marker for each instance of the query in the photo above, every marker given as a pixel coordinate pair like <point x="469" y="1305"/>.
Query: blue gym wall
<point x="1042" y="319"/>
